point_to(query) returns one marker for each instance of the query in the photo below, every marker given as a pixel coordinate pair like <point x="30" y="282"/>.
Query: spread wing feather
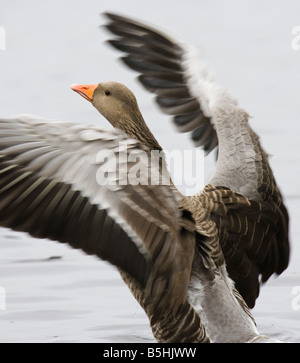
<point x="160" y="61"/>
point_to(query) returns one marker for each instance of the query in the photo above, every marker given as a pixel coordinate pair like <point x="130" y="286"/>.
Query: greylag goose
<point x="179" y="255"/>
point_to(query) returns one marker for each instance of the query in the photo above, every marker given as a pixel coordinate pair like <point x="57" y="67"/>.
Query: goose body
<point x="194" y="263"/>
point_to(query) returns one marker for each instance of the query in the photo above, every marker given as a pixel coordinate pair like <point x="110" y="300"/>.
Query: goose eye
<point x="107" y="92"/>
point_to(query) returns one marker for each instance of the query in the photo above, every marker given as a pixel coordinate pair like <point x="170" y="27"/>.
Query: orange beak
<point x="85" y="90"/>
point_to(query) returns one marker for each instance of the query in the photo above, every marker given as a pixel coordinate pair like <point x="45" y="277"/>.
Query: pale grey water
<point x="52" y="44"/>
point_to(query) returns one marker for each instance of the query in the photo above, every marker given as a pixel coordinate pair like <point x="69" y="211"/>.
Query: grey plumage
<point x="174" y="252"/>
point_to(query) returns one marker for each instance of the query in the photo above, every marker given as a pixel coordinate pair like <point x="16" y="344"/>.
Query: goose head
<point x="119" y="106"/>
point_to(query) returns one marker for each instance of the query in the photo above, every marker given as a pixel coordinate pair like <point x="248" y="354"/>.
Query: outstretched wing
<point x="161" y="62"/>
<point x="60" y="181"/>
<point x="254" y="239"/>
